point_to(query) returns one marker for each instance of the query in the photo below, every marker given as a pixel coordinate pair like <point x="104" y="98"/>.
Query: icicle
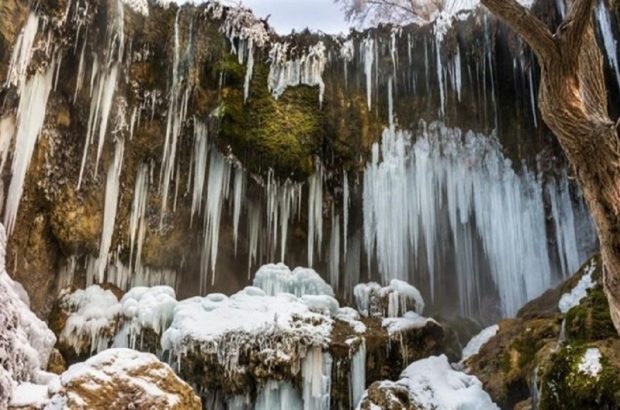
<point x="201" y="151"/>
<point x="345" y="210"/>
<point x="368" y="53"/>
<point x="137" y="220"/>
<point x="315" y="212"/>
<point x="334" y="251"/>
<point x="109" y="210"/>
<point x="249" y="70"/>
<point x="316" y="379"/>
<point x="532" y="97"/>
<point x="218" y="184"/>
<point x="609" y="41"/>
<point x="564" y="223"/>
<point x="357" y="377"/>
<point x="238" y="201"/>
<point x="79" y="83"/>
<point x="22" y="53"/>
<point x="30" y="119"/>
<point x="253" y="230"/>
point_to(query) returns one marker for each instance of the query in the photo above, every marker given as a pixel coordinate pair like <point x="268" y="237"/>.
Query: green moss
<point x="590" y="320"/>
<point x="564" y="386"/>
<point x="263" y="132"/>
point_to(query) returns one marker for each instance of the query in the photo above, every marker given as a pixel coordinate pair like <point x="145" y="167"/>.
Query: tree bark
<point x="573" y="103"/>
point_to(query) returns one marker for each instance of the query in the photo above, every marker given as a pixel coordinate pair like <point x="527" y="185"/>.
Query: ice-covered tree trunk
<point x="573" y="103"/>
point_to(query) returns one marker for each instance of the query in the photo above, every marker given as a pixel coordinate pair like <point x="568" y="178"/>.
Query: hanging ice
<point x="315" y="212"/>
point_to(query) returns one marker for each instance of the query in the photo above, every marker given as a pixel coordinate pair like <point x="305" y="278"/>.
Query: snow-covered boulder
<point x="476" y="342"/>
<point x="388" y="301"/>
<point x="429" y="384"/>
<point x="123" y="378"/>
<point x="234" y="343"/>
<point x="85" y="320"/>
<point x="146" y="314"/>
<point x="25" y="341"/>
<point x="278" y="278"/>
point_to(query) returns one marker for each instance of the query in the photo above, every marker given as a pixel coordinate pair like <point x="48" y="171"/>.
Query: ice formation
<point x="609" y="41"/>
<point x="463" y="180"/>
<point x="475" y="344"/>
<point x="357" y="376"/>
<point x="278" y="278"/>
<point x="590" y="363"/>
<point x="572" y="299"/>
<point x="307" y="69"/>
<point x="145" y="308"/>
<point x="92" y="319"/>
<point x="221" y="325"/>
<point x="410" y="320"/>
<point x="393" y="300"/>
<point x="25" y="341"/>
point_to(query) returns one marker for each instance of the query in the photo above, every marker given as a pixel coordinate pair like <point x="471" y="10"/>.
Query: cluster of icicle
<point x="306" y="69"/>
<point x="414" y="186"/>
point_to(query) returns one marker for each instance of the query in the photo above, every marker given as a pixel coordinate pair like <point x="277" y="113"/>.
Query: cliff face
<point x="189" y="146"/>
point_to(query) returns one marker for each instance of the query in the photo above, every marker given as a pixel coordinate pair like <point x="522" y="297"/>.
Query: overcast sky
<point x="286" y="15"/>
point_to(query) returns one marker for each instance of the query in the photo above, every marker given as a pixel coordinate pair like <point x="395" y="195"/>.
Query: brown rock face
<point x="124" y="379"/>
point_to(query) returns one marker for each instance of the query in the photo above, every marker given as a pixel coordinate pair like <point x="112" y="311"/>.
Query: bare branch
<point x="528" y="26"/>
<point x="572" y="29"/>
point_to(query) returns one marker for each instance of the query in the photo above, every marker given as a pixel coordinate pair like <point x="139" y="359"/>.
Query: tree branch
<point x="528" y="26"/>
<point x="573" y="28"/>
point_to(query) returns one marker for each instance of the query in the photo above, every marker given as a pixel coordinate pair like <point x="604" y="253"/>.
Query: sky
<point x="286" y="15"/>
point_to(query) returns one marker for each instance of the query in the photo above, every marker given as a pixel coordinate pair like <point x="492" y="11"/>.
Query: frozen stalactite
<point x="254" y="223"/>
<point x="201" y="151"/>
<point x="346" y="201"/>
<point x="561" y="6"/>
<point x="564" y="224"/>
<point x="112" y="190"/>
<point x="249" y="70"/>
<point x="218" y="187"/>
<point x="79" y="82"/>
<point x="22" y="53"/>
<point x="307" y="69"/>
<point x="31" y="110"/>
<point x="283" y="198"/>
<point x="334" y="251"/>
<point x="441" y="177"/>
<point x="137" y="220"/>
<point x="347" y="53"/>
<point x="315" y="212"/>
<point x="609" y="41"/>
<point x="316" y="379"/>
<point x="278" y="396"/>
<point x="239" y="188"/>
<point x="530" y="78"/>
<point x="368" y="54"/>
<point x="357" y="377"/>
<point x="176" y="115"/>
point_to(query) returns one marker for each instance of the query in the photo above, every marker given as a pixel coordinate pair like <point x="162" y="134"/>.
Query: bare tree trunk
<point x="573" y="103"/>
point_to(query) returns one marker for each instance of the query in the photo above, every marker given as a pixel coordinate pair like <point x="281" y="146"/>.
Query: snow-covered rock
<point x="123" y="378"/>
<point x="476" y="342"/>
<point x="145" y="309"/>
<point x="25" y="341"/>
<point x="410" y="320"/>
<point x="278" y="278"/>
<point x="388" y="301"/>
<point x="429" y="384"/>
<point x="571" y="299"/>
<point x="92" y="316"/>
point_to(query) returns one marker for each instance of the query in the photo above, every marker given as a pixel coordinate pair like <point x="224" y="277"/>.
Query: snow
<point x="590" y="363"/>
<point x="410" y="320"/>
<point x="30" y="394"/>
<point x="476" y="342"/>
<point x="352" y="317"/>
<point x="370" y="297"/>
<point x="121" y="367"/>
<point x="278" y="278"/>
<point x="249" y="316"/>
<point x="93" y="313"/>
<point x="572" y="299"/>
<point x="145" y="308"/>
<point x="433" y="384"/>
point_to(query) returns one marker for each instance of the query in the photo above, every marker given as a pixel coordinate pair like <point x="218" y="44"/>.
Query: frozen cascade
<point x="315" y="212"/>
<point x="278" y="396"/>
<point x="239" y="190"/>
<point x="417" y="185"/>
<point x="564" y="222"/>
<point x="218" y="187"/>
<point x="368" y="54"/>
<point x="316" y="379"/>
<point x="137" y="220"/>
<point x="346" y="202"/>
<point x="609" y="41"/>
<point x="112" y="189"/>
<point x="357" y="376"/>
<point x="30" y="118"/>
<point x="283" y="199"/>
<point x="177" y="112"/>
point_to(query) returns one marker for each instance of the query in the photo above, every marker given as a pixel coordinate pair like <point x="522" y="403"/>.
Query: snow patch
<point x="590" y="363"/>
<point x="476" y="342"/>
<point x="574" y="297"/>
